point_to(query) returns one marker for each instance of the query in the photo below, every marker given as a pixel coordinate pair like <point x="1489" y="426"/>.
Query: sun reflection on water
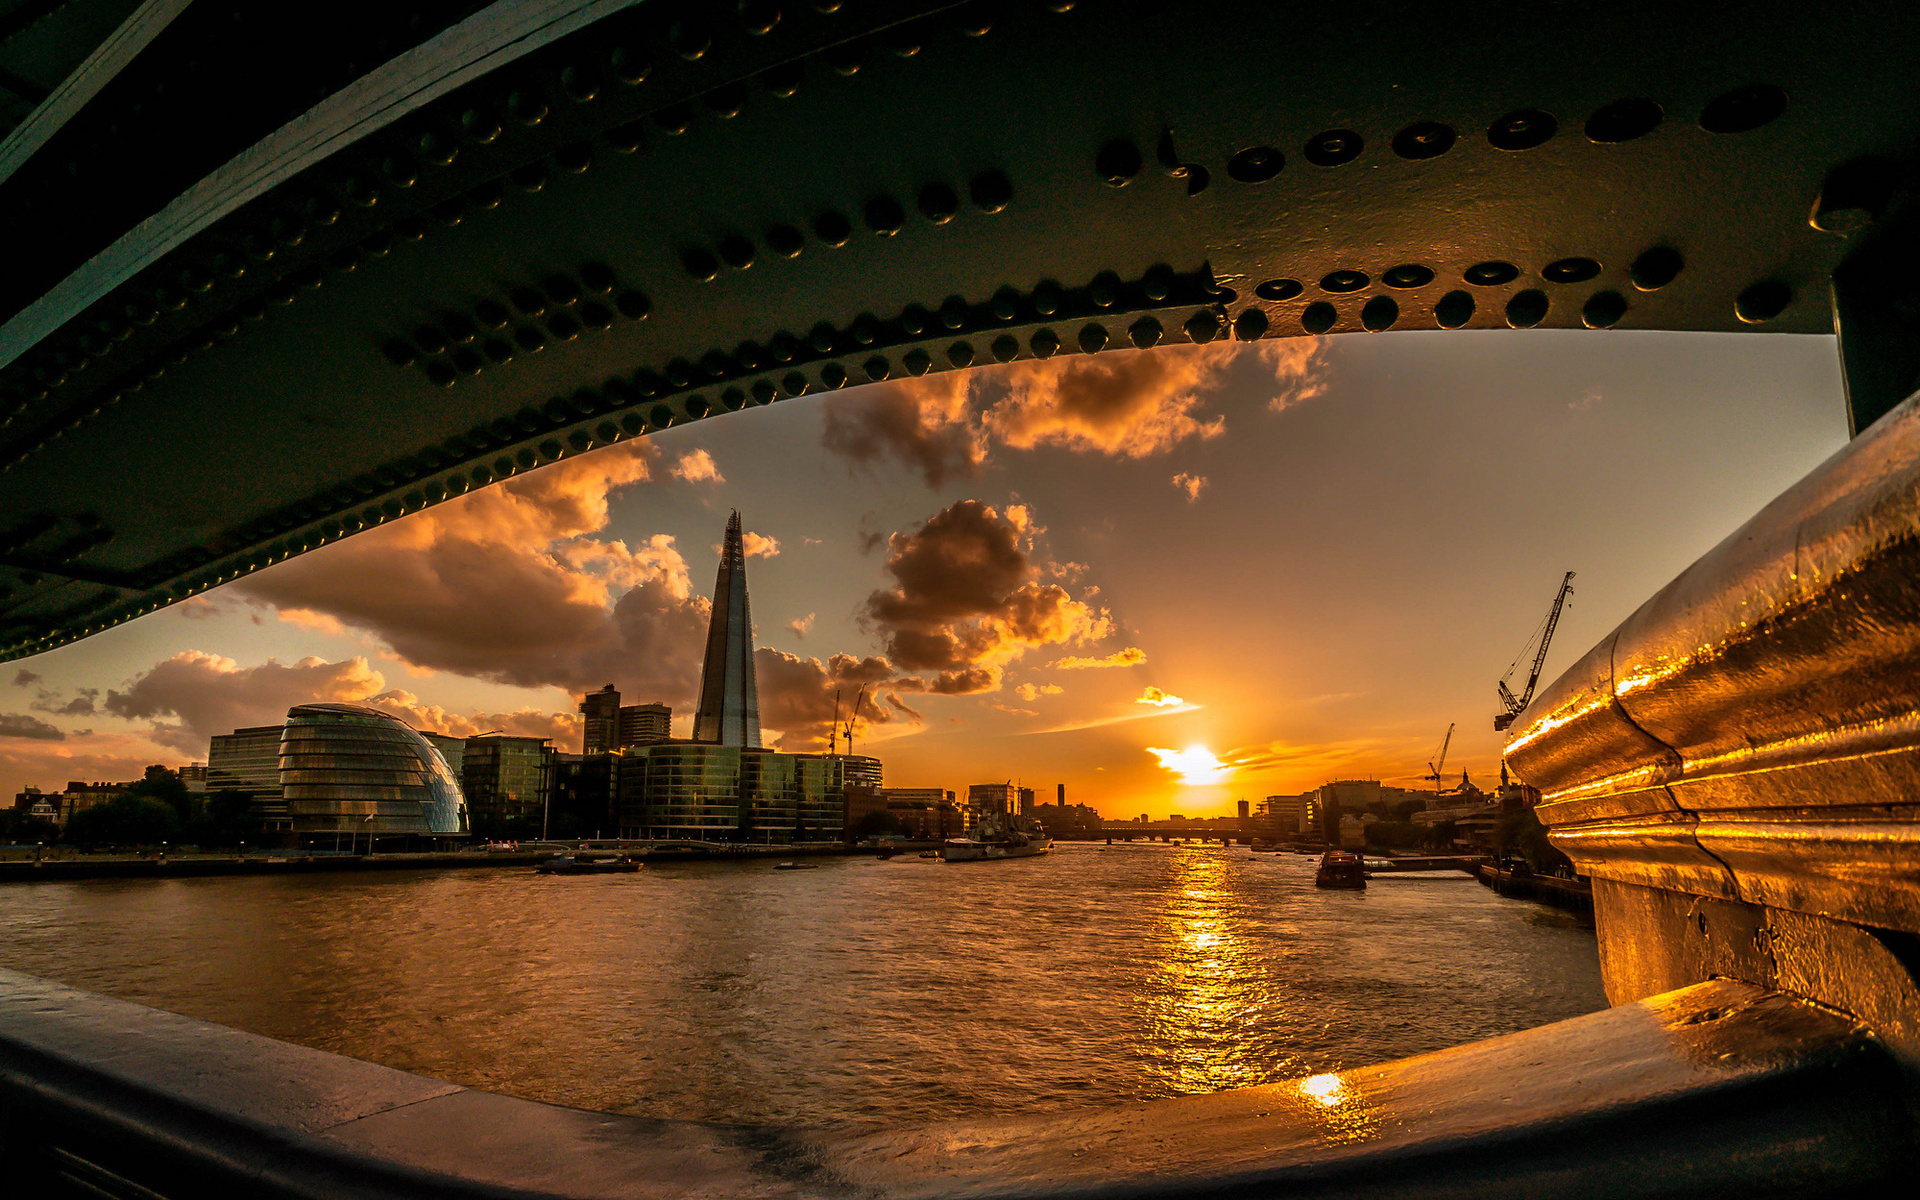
<point x="1207" y="982"/>
<point x="1338" y="1110"/>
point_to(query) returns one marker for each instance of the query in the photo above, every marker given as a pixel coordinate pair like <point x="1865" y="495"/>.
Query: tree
<point x="126" y="820"/>
<point x="1406" y="808"/>
<point x="874" y="824"/>
<point x="20" y="826"/>
<point x="165" y="785"/>
<point x="1442" y="835"/>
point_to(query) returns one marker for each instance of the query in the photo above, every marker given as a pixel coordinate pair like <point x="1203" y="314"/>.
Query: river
<point x="861" y="991"/>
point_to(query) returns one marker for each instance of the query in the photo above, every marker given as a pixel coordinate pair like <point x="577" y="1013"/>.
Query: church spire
<point x="729" y="712"/>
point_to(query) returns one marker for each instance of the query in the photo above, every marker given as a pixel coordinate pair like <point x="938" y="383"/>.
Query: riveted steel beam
<point x="454" y="242"/>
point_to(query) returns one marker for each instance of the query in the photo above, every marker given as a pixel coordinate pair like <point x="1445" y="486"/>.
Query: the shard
<point x="729" y="712"/>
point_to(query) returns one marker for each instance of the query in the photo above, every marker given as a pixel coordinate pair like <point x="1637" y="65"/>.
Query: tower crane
<point x="1511" y="705"/>
<point x="1434" y="766"/>
<point x="853" y="714"/>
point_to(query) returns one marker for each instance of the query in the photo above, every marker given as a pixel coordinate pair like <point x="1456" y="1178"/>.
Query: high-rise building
<point x="505" y="778"/>
<point x="600" y="724"/>
<point x="991" y="799"/>
<point x="729" y="712"/>
<point x="644" y="724"/>
<point x="1026" y="801"/>
<point x="248" y="760"/>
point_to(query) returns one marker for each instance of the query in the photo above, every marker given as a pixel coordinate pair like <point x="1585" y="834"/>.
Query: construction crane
<point x="853" y="714"/>
<point x="1433" y="766"/>
<point x="1511" y="704"/>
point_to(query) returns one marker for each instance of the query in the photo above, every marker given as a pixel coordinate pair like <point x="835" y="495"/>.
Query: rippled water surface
<point x="861" y="991"/>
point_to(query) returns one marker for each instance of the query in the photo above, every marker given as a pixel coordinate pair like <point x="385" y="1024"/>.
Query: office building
<point x="990" y="799"/>
<point x="1025" y="795"/>
<point x="600" y="721"/>
<point x="248" y="761"/>
<point x="704" y="792"/>
<point x="729" y="712"/>
<point x="644" y="724"/>
<point x="453" y="749"/>
<point x="345" y="768"/>
<point x="506" y="780"/>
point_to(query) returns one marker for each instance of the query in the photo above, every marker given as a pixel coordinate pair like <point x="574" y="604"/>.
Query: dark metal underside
<point x="283" y="278"/>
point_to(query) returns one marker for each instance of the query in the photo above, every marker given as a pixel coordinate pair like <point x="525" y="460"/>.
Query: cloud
<point x="1033" y="691"/>
<point x="697" y="466"/>
<point x="1299" y="368"/>
<point x="1195" y="765"/>
<point x="25" y="678"/>
<point x="1129" y="403"/>
<point x="802" y="626"/>
<point x="1132" y="656"/>
<point x="562" y="728"/>
<point x="207" y="694"/>
<point x="965" y="600"/>
<point x="509" y="584"/>
<point x="82" y="704"/>
<point x="799" y="697"/>
<point x="757" y="545"/>
<point x="926" y="423"/>
<point x="20" y="725"/>
<point x="1159" y="699"/>
<point x="1192" y="485"/>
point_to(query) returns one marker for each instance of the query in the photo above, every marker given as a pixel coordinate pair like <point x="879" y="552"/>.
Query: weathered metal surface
<point x="1721" y="1088"/>
<point x="479" y="239"/>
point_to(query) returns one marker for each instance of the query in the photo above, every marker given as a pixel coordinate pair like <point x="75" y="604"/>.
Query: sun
<point x="1196" y="765"/>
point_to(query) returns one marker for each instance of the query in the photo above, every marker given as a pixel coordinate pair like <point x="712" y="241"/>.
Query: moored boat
<point x="1340" y="869"/>
<point x="999" y="836"/>
<point x="572" y="864"/>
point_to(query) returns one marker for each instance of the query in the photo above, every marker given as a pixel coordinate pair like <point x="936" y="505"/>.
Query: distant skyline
<point x="1169" y="580"/>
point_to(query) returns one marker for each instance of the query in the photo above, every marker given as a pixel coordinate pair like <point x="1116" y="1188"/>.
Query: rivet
<point x="648" y="384"/>
<point x="1005" y="348"/>
<point x="877" y="368"/>
<point x="561" y="289"/>
<point x="1093" y="339"/>
<point x="1603" y="310"/>
<point x="716" y="364"/>
<point x="627" y="138"/>
<point x="441" y="373"/>
<point x="633" y="424"/>
<point x="764" y="393"/>
<point x="1157" y="284"/>
<point x="1251" y="325"/>
<point x="953" y="312"/>
<point x="1144" y="333"/>
<point x="429" y="339"/>
<point x="914" y="320"/>
<point x="579" y="82"/>
<point x="1044" y="344"/>
<point x="595" y="315"/>
<point x="783" y="80"/>
<point x="467" y="362"/>
<point x="398" y="352"/>
<point x="990" y="191"/>
<point x="525" y="107"/>
<point x="450" y="212"/>
<point x="903" y="40"/>
<point x="822" y="338"/>
<point x="1407" y="275"/>
<point x="1005" y="304"/>
<point x="832" y="228"/>
<point x="689" y="39"/>
<point x="1624" y="120"/>
<point x="438" y="149"/>
<point x="675" y="119"/>
<point x="660" y="417"/>
<point x="1255" y="164"/>
<point x="574" y="159"/>
<point x="833" y="375"/>
<point x="528" y="301"/>
<point x="1379" y="314"/>
<point x="884" y="216"/>
<point x="1527" y="309"/>
<point x="530" y="178"/>
<point x="783" y="346"/>
<point x="1854" y="195"/>
<point x="1278" y="290"/>
<point x="1117" y="162"/>
<point x="596" y="277"/>
<point x="497" y="350"/>
<point x="1334" y="147"/>
<point x="974" y="20"/>
<point x="733" y="399"/>
<point x="1492" y="273"/>
<point x="794" y="383"/>
<point x="487" y="196"/>
<point x="700" y="264"/>
<point x="1046" y="298"/>
<point x="1570" y="270"/>
<point x="1319" y="317"/>
<point x="1743" y="109"/>
<point x="1202" y="327"/>
<point x="917" y="362"/>
<point x="844" y="58"/>
<point x="865" y="329"/>
<point x="728" y="100"/>
<point x="529" y="338"/>
<point x="736" y="251"/>
<point x="786" y="241"/>
<point x="1763" y="301"/>
<point x="1104" y="291"/>
<point x="1426" y="139"/>
<point x="1656" y="268"/>
<point x="1522" y="130"/>
<point x="938" y="204"/>
<point x="629" y="66"/>
<point x="960" y="354"/>
<point x="458" y="328"/>
<point x="1344" y="281"/>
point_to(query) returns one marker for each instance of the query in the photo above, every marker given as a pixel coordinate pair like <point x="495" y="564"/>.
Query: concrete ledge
<point x="1716" y="1087"/>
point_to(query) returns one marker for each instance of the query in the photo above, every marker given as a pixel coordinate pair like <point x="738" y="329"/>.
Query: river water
<point x="862" y="991"/>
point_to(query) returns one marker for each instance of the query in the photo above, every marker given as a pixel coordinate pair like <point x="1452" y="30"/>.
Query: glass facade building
<point x="248" y="760"/>
<point x="354" y="770"/>
<point x="704" y="792"/>
<point x="506" y="778"/>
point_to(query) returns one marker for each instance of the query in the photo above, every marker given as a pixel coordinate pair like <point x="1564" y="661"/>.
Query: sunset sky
<point x="1166" y="579"/>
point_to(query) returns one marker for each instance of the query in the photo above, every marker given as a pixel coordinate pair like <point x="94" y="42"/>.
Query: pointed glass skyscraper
<point x="729" y="712"/>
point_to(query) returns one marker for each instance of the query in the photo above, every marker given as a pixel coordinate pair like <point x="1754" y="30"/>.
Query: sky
<point x="1166" y="579"/>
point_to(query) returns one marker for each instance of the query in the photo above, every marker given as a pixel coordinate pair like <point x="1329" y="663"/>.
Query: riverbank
<point x="1574" y="895"/>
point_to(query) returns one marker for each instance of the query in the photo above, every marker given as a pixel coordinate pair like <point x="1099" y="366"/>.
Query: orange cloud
<point x="697" y="466"/>
<point x="1192" y="485"/>
<point x="1159" y="699"/>
<point x="1033" y="691"/>
<point x="757" y="545"/>
<point x="205" y="694"/>
<point x="1132" y="656"/>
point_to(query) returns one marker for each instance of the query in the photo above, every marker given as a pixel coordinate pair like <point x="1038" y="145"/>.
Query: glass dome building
<point x="349" y="769"/>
